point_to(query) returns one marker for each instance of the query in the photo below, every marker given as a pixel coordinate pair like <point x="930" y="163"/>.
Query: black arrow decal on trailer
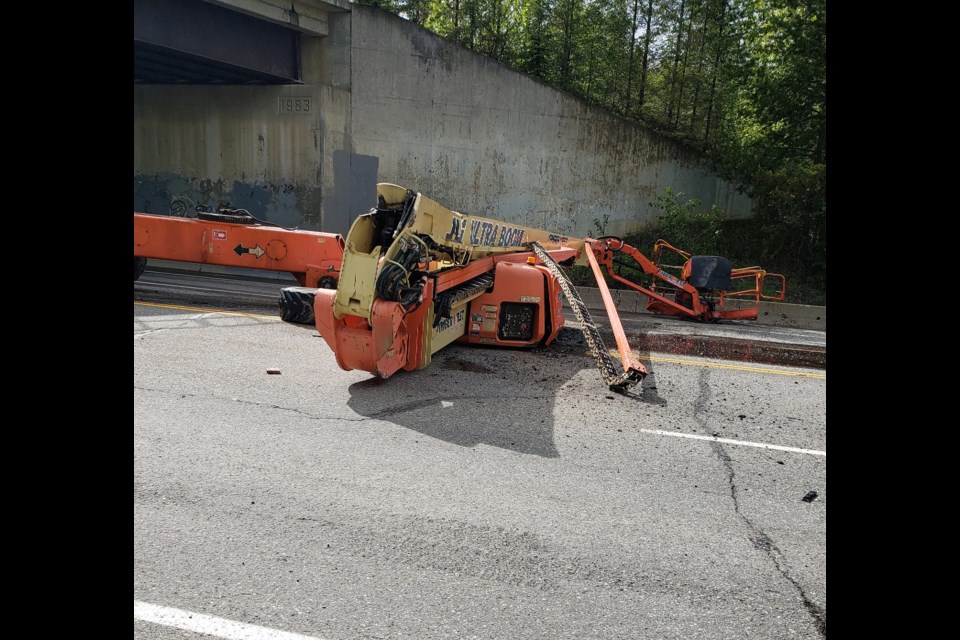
<point x="257" y="251"/>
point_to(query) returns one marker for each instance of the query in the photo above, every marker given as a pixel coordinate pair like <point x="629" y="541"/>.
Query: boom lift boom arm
<point x="234" y="238"/>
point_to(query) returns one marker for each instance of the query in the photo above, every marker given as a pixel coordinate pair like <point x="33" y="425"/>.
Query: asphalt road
<point x="495" y="494"/>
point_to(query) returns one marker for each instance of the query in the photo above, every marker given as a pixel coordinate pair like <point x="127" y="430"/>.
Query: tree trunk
<point x="696" y="90"/>
<point x="628" y="96"/>
<point x="566" y="53"/>
<point x="676" y="62"/>
<point x="646" y="55"/>
<point x="683" y="70"/>
<point x="716" y="71"/>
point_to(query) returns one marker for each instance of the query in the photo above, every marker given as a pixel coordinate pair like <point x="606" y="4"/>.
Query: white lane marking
<point x="745" y="443"/>
<point x="446" y="404"/>
<point x="201" y="623"/>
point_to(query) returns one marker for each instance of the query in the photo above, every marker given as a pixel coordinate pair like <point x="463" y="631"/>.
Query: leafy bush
<point x="787" y="234"/>
<point x="683" y="226"/>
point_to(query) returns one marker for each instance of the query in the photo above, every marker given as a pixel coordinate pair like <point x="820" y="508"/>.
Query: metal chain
<point x="612" y="375"/>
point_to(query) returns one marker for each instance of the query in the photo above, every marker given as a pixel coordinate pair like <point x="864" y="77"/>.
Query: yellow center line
<point x="202" y="310"/>
<point x="732" y="367"/>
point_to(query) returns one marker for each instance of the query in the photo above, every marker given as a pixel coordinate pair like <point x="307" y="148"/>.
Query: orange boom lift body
<point x="413" y="277"/>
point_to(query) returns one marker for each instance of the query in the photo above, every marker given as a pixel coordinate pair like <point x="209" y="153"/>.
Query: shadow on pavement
<point x="498" y="397"/>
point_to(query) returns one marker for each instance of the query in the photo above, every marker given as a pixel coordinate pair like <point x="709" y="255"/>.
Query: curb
<point x="775" y="314"/>
<point x="733" y="349"/>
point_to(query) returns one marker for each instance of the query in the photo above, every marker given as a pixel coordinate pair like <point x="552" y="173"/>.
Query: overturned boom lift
<point x="412" y="277"/>
<point x="417" y="276"/>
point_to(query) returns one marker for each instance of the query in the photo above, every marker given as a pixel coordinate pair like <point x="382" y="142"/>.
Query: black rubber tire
<point x="296" y="305"/>
<point x="327" y="282"/>
<point x="224" y="217"/>
<point x="139" y="264"/>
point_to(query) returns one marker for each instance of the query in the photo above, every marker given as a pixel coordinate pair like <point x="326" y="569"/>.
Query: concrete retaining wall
<point x="239" y="146"/>
<point x="385" y="100"/>
<point x="486" y="140"/>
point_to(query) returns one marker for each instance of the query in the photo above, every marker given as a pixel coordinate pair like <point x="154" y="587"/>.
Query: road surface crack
<point x="267" y="405"/>
<point x="149" y="332"/>
<point x="760" y="540"/>
<point x="143" y="333"/>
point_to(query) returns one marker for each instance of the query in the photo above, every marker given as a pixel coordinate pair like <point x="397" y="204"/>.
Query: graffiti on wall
<point x="279" y="202"/>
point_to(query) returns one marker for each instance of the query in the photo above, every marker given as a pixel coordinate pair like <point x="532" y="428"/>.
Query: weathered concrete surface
<point x="259" y="148"/>
<point x="775" y="314"/>
<point x="309" y="16"/>
<point x="383" y="99"/>
<point x="739" y="341"/>
<point x="484" y="139"/>
<point x="801" y="316"/>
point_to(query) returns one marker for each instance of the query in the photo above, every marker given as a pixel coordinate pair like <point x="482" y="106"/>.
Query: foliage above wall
<point x="744" y="81"/>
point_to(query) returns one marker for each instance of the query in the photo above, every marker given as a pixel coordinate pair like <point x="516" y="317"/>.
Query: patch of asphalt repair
<point x="760" y="540"/>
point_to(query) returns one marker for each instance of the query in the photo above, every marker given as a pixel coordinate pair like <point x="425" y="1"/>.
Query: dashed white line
<point x="744" y="443"/>
<point x="210" y="625"/>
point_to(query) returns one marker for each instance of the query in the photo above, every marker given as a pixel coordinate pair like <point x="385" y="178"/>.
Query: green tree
<point x="742" y="80"/>
<point x="534" y="49"/>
